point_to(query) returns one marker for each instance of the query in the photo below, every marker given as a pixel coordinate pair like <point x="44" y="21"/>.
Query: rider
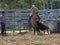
<point x="34" y="10"/>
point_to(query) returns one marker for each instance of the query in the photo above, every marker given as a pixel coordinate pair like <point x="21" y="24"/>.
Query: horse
<point x="33" y="23"/>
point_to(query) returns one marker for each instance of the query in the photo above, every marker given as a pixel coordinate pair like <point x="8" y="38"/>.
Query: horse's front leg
<point x="34" y="31"/>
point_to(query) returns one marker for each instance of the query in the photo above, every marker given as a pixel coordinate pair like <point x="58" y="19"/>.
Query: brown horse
<point x="34" y="18"/>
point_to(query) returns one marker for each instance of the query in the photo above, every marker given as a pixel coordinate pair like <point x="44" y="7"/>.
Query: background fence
<point x="18" y="19"/>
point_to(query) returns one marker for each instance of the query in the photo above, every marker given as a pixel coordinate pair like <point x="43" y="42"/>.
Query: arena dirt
<point x="30" y="39"/>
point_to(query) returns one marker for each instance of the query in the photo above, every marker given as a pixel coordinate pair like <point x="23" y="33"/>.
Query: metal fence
<point x="18" y="19"/>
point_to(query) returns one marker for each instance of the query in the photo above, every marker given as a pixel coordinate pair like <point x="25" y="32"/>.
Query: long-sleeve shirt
<point x="50" y="17"/>
<point x="2" y="19"/>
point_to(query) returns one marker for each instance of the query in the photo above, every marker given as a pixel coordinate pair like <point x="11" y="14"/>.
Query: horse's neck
<point x="34" y="14"/>
<point x="33" y="20"/>
<point x="35" y="17"/>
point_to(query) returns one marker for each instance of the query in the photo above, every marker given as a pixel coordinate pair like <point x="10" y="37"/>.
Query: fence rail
<point x="18" y="19"/>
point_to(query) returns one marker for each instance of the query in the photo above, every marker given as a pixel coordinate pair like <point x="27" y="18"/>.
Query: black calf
<point x="42" y="27"/>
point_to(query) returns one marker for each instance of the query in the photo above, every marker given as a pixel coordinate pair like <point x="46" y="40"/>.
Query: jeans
<point x="3" y="30"/>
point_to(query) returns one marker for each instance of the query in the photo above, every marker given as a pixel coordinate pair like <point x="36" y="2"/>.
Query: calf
<point x="42" y="27"/>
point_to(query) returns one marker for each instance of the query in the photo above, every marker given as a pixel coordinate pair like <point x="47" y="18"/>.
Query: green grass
<point x="16" y="31"/>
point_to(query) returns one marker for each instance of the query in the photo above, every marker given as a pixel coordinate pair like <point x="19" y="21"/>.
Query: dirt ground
<point x="30" y="39"/>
